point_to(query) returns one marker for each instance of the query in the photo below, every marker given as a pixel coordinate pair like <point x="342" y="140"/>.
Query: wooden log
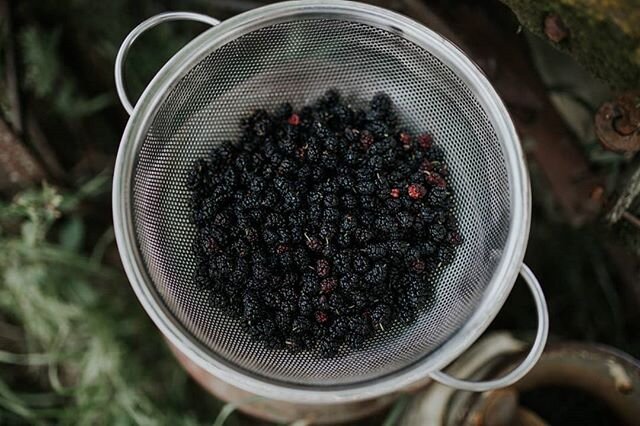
<point x="604" y="36"/>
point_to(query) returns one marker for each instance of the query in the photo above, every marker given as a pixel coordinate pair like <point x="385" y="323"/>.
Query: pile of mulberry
<point x="319" y="227"/>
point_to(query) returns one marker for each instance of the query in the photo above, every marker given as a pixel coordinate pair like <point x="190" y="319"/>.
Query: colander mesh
<point x="297" y="61"/>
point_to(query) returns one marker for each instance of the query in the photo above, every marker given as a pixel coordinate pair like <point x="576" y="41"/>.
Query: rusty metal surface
<point x="609" y="375"/>
<point x="617" y="123"/>
<point x="606" y="373"/>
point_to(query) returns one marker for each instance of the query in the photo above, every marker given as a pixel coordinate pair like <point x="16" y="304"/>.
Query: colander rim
<point x="497" y="289"/>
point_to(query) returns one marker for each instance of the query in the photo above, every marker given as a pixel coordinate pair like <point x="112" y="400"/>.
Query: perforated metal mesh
<point x="297" y="61"/>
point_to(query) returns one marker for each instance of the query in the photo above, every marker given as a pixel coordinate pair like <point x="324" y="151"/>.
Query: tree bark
<point x="18" y="168"/>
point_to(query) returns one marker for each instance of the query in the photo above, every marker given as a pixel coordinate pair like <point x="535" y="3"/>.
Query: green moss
<point x="604" y="34"/>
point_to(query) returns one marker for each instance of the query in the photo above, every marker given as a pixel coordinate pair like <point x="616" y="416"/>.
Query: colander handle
<point x="531" y="359"/>
<point x="135" y="33"/>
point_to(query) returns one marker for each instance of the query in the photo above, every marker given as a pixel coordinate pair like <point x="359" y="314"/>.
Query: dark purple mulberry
<point x="319" y="226"/>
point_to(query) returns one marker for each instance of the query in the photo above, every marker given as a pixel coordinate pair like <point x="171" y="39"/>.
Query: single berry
<point x="435" y="179"/>
<point x="294" y="119"/>
<point x="366" y="139"/>
<point x="322" y="302"/>
<point x="328" y="285"/>
<point x="425" y="141"/>
<point x="455" y="238"/>
<point x="360" y="264"/>
<point x="314" y="244"/>
<point x="321" y="317"/>
<point x="322" y="267"/>
<point x="437" y="232"/>
<point x="418" y="265"/>
<point x="416" y="191"/>
<point x="395" y="193"/>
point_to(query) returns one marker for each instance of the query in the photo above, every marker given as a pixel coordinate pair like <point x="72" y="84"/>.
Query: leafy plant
<point x="69" y="327"/>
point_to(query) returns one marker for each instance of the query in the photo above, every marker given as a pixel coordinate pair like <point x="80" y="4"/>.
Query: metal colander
<point x="295" y="51"/>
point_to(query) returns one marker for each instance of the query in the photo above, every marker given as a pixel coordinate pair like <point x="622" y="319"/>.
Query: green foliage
<point x="80" y="335"/>
<point x="42" y="67"/>
<point x="46" y="78"/>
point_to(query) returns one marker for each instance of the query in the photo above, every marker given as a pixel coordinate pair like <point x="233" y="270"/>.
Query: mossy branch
<point x="604" y="36"/>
